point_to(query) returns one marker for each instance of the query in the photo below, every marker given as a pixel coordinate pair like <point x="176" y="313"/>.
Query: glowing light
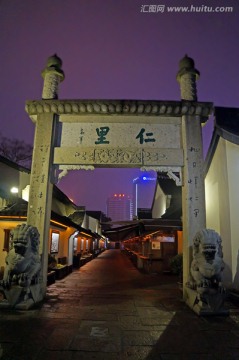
<point x="120" y="195"/>
<point x="146" y="178"/>
<point x="14" y="190"/>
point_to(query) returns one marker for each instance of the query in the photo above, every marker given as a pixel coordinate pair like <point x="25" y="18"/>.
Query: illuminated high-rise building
<point x="120" y="207"/>
<point x="143" y="192"/>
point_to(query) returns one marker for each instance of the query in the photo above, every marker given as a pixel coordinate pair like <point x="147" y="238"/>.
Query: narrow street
<point x="109" y="310"/>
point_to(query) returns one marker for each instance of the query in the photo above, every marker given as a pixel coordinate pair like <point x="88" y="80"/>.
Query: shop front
<point x="153" y="252"/>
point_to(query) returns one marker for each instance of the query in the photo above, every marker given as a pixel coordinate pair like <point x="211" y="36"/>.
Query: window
<point x="6" y="239"/>
<point x="55" y="236"/>
<point x="75" y="243"/>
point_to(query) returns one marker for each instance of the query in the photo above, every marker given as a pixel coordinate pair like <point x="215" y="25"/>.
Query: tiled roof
<point x="16" y="208"/>
<point x="19" y="208"/>
<point x="94" y="214"/>
<point x="77" y="217"/>
<point x="57" y="193"/>
<point x="227" y="119"/>
<point x="14" y="165"/>
<point x="226" y="126"/>
<point x="142" y="227"/>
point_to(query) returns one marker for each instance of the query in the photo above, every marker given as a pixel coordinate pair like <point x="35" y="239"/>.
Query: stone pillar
<point x="42" y="171"/>
<point x="40" y="197"/>
<point x="193" y="192"/>
<point x="52" y="76"/>
<point x="187" y="77"/>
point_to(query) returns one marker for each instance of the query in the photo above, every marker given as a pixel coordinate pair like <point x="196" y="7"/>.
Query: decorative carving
<point x="23" y="267"/>
<point x="117" y="156"/>
<point x="187" y="77"/>
<point x="108" y="156"/>
<point x="207" y="264"/>
<point x="188" y="87"/>
<point x="66" y="168"/>
<point x="176" y="176"/>
<point x="152" y="155"/>
<point x="52" y="75"/>
<point x="50" y="88"/>
<point x="206" y="271"/>
<point x="23" y="261"/>
<point x="130" y="107"/>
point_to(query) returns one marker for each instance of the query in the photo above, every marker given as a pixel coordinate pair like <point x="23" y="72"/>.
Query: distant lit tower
<point x="120" y="207"/>
<point x="143" y="191"/>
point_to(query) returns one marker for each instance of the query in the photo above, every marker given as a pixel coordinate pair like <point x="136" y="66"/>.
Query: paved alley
<point x="108" y="310"/>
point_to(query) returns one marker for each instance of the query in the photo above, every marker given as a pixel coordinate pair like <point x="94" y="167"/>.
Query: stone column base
<point x="20" y="298"/>
<point x="207" y="304"/>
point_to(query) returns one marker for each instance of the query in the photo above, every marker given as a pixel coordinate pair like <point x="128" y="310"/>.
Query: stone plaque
<point x="105" y="134"/>
<point x="120" y="141"/>
<point x="118" y="157"/>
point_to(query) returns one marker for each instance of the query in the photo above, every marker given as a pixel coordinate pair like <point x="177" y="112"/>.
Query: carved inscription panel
<point x="113" y="134"/>
<point x="118" y="157"/>
<point x="120" y="141"/>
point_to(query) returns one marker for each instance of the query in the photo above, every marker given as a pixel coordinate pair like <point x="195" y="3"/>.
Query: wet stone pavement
<point x="108" y="310"/>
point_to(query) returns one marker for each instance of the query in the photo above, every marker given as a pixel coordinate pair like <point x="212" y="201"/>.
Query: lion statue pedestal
<point x="205" y="293"/>
<point x="21" y="286"/>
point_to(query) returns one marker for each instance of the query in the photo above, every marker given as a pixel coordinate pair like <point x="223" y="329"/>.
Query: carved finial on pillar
<point x="52" y="75"/>
<point x="187" y="77"/>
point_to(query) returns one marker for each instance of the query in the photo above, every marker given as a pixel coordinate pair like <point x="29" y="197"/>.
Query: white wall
<point x="160" y="203"/>
<point x="91" y="224"/>
<point x="233" y="182"/>
<point x="222" y="202"/>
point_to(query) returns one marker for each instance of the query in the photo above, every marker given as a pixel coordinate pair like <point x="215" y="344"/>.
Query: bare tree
<point x="16" y="150"/>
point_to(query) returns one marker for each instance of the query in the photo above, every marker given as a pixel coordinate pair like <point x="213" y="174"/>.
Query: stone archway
<point x="151" y="135"/>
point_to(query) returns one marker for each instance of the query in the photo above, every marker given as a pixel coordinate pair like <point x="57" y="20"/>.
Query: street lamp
<point x="14" y="190"/>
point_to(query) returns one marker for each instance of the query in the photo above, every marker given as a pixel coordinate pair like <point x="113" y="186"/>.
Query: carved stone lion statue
<point x="23" y="261"/>
<point x="207" y="264"/>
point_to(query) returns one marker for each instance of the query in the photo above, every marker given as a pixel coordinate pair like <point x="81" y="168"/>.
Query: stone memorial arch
<point x="150" y="135"/>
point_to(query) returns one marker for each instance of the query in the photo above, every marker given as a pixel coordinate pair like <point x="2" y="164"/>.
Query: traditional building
<point x="69" y="232"/>
<point x="167" y="202"/>
<point x="221" y="184"/>
<point x="221" y="170"/>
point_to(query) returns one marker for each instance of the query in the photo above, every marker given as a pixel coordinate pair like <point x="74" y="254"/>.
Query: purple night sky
<point x="112" y="50"/>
